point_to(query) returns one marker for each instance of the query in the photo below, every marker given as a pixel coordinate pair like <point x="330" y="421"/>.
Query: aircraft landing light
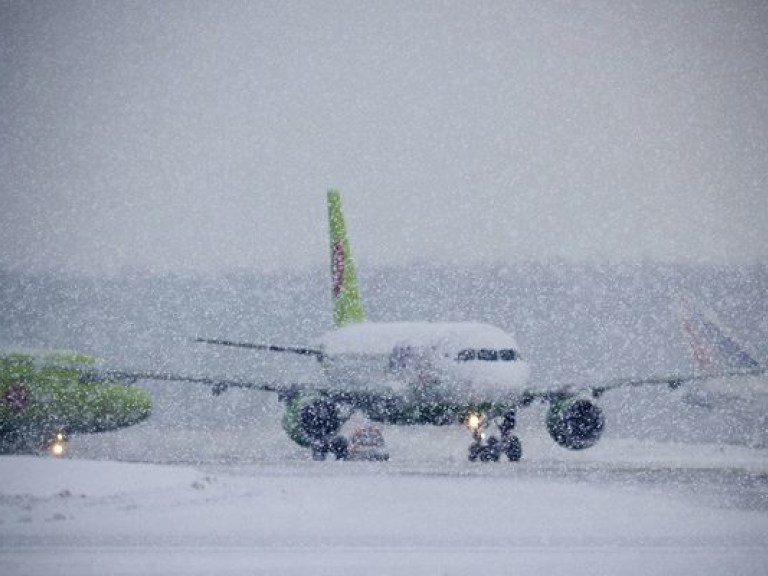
<point x="59" y="445"/>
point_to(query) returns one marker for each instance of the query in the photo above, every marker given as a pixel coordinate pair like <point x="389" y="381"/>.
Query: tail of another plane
<point x="713" y="350"/>
<point x="347" y="306"/>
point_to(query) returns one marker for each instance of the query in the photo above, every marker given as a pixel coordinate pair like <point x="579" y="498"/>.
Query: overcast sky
<point x="199" y="136"/>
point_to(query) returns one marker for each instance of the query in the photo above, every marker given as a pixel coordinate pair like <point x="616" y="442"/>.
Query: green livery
<point x="347" y="306"/>
<point x="44" y="398"/>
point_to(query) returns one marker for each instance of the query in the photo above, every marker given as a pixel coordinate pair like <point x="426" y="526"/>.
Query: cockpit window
<point x="467" y="355"/>
<point x="487" y="355"/>
<point x="507" y="355"/>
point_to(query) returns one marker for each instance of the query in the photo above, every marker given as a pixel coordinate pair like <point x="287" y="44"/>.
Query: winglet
<point x="347" y="306"/>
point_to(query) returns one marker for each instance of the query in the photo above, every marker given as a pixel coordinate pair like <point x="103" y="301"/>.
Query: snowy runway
<point x="668" y="515"/>
<point x="322" y="561"/>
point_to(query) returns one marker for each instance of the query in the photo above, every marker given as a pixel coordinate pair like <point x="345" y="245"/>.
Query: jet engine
<point x="310" y="419"/>
<point x="575" y="423"/>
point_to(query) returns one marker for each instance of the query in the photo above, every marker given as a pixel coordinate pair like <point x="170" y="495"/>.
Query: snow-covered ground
<point x="625" y="507"/>
<point x="214" y="486"/>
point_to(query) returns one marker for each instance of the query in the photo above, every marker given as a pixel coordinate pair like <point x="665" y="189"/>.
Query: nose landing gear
<point x="490" y="448"/>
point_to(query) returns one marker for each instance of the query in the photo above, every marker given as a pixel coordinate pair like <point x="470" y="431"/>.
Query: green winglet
<point x="347" y="306"/>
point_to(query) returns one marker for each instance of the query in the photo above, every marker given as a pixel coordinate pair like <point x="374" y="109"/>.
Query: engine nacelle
<point x="311" y="418"/>
<point x="575" y="423"/>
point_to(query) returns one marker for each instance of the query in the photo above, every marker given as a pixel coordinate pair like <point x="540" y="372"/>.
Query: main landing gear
<point x="336" y="445"/>
<point x="490" y="448"/>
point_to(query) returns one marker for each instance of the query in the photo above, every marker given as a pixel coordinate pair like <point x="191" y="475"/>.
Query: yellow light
<point x="473" y="422"/>
<point x="59" y="444"/>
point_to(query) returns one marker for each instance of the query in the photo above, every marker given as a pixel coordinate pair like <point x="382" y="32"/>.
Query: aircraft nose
<point x="502" y="380"/>
<point x="134" y="406"/>
<point x="114" y="406"/>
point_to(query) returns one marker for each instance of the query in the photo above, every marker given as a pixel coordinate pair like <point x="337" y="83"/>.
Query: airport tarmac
<point x="626" y="506"/>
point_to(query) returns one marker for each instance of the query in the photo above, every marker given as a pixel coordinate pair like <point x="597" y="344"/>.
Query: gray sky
<point x="199" y="136"/>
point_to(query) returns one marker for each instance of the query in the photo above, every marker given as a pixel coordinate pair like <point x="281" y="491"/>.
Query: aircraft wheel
<point x="319" y="450"/>
<point x="475" y="449"/>
<point x="339" y="447"/>
<point x="491" y="451"/>
<point x="508" y="424"/>
<point x="513" y="449"/>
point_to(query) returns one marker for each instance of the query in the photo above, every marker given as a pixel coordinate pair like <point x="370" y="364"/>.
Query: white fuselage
<point x="433" y="362"/>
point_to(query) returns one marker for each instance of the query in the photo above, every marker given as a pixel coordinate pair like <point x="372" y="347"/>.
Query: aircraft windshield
<point x="488" y="355"/>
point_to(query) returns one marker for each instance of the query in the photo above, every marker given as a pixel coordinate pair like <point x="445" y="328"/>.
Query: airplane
<point x="439" y="373"/>
<point x="46" y="397"/>
<point x="713" y="351"/>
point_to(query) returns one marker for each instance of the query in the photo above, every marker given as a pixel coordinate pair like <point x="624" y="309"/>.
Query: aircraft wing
<point x="218" y="385"/>
<point x="671" y="380"/>
<point x="87" y="370"/>
<point x="715" y="355"/>
<point x="301" y="351"/>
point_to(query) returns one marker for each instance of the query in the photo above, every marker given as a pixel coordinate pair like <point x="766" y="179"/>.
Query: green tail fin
<point x="347" y="307"/>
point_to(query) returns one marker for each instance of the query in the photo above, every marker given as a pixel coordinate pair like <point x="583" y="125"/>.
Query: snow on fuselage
<point x="443" y="362"/>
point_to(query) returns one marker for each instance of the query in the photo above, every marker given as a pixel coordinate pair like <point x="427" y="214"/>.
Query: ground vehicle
<point x="367" y="443"/>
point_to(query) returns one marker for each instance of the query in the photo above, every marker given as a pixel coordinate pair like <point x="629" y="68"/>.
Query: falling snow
<point x="565" y="171"/>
